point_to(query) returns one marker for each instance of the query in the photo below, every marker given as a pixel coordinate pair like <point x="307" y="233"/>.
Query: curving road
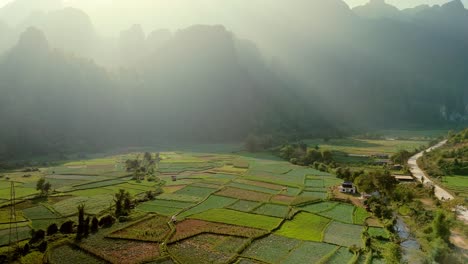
<point x="440" y="193"/>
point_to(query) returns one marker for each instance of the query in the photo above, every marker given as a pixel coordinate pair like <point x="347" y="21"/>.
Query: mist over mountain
<point x="308" y="68"/>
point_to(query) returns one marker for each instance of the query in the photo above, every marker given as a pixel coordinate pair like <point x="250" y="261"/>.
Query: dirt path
<point x="440" y="193"/>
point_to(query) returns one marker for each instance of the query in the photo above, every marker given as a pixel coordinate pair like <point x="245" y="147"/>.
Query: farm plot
<point x="360" y="215"/>
<point x="271" y="249"/>
<point x="319" y="207"/>
<point x="267" y="167"/>
<point x="192" y="227"/>
<point x="304" y="226"/>
<point x="266" y="185"/>
<point x="93" y="205"/>
<point x="173" y="188"/>
<point x="244" y="194"/>
<point x="178" y="167"/>
<point x="282" y="199"/>
<point x="164" y="207"/>
<point x="253" y="188"/>
<point x="153" y="229"/>
<point x="24" y="232"/>
<point x="39" y="212"/>
<point x="207" y="248"/>
<point x="343" y="234"/>
<point x="320" y="195"/>
<point x="303" y="172"/>
<point x="275" y="210"/>
<point x="211" y="203"/>
<point x="244" y="206"/>
<point x="195" y="191"/>
<point x="98" y="184"/>
<point x="342" y="255"/>
<point x="179" y="197"/>
<point x="20" y="192"/>
<point x="69" y="254"/>
<point x="341" y="212"/>
<point x="310" y="252"/>
<point x="239" y="218"/>
<point x="378" y="232"/>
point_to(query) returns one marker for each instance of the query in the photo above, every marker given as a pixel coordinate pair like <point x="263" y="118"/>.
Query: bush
<point x="42" y="247"/>
<point x="37" y="236"/>
<point x="67" y="227"/>
<point x="52" y="229"/>
<point x="26" y="249"/>
<point x="106" y="221"/>
<point x="94" y="225"/>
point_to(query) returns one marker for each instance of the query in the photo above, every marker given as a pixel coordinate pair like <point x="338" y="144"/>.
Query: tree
<point x="123" y="203"/>
<point x="67" y="227"/>
<point x="43" y="186"/>
<point x="384" y="182"/>
<point x="441" y="226"/>
<point x="94" y="225"/>
<point x="52" y="229"/>
<point x="81" y="222"/>
<point x="365" y="183"/>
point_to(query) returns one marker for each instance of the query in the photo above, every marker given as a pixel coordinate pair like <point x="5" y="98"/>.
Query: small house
<point x="404" y="178"/>
<point x="348" y="187"/>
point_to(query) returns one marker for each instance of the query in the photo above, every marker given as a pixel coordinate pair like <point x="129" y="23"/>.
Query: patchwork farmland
<point x="210" y="208"/>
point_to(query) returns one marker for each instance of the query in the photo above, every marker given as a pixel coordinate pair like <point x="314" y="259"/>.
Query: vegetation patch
<point x="243" y="205"/>
<point x="309" y="252"/>
<point x="341" y="212"/>
<point x="24" y="232"/>
<point x="179" y="197"/>
<point x="162" y="210"/>
<point x="93" y="205"/>
<point x="342" y="255"/>
<point x="320" y="195"/>
<point x="207" y="248"/>
<point x="271" y="249"/>
<point x="253" y="188"/>
<point x="378" y="232"/>
<point x="360" y="215"/>
<point x="69" y="254"/>
<point x="192" y="227"/>
<point x="304" y="226"/>
<point x="284" y="199"/>
<point x="39" y="212"/>
<point x="344" y="234"/>
<point x="244" y="194"/>
<point x="195" y="191"/>
<point x="275" y="210"/>
<point x="152" y="230"/>
<point x="319" y="207"/>
<point x="211" y="203"/>
<point x="239" y="218"/>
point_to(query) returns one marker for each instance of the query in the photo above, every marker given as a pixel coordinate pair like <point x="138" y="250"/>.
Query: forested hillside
<point x="310" y="68"/>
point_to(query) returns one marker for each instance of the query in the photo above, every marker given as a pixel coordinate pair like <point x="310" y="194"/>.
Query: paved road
<point x="440" y="193"/>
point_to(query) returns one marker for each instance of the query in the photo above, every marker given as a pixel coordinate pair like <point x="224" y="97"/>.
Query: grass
<point x="275" y="210"/>
<point x="360" y="215"/>
<point x="239" y="218"/>
<point x="341" y="212"/>
<point x="271" y="249"/>
<point x="304" y="226"/>
<point x="162" y="210"/>
<point x="212" y="202"/>
<point x="343" y="234"/>
<point x="309" y="252"/>
<point x="243" y="205"/>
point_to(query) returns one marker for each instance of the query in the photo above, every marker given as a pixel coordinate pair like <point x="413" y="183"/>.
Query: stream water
<point x="410" y="247"/>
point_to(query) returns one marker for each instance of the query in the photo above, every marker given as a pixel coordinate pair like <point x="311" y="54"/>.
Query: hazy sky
<point x="398" y="3"/>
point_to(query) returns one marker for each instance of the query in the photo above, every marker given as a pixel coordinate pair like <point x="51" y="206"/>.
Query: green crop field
<point x="271" y="249"/>
<point x="212" y="202"/>
<point x="243" y="205"/>
<point x="275" y="210"/>
<point x="304" y="226"/>
<point x="344" y="234"/>
<point x="309" y="252"/>
<point x="229" y="208"/>
<point x="341" y="212"/>
<point x="239" y="218"/>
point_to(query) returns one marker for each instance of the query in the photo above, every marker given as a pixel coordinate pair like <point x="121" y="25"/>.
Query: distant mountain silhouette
<point x="377" y="9"/>
<point x="16" y="11"/>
